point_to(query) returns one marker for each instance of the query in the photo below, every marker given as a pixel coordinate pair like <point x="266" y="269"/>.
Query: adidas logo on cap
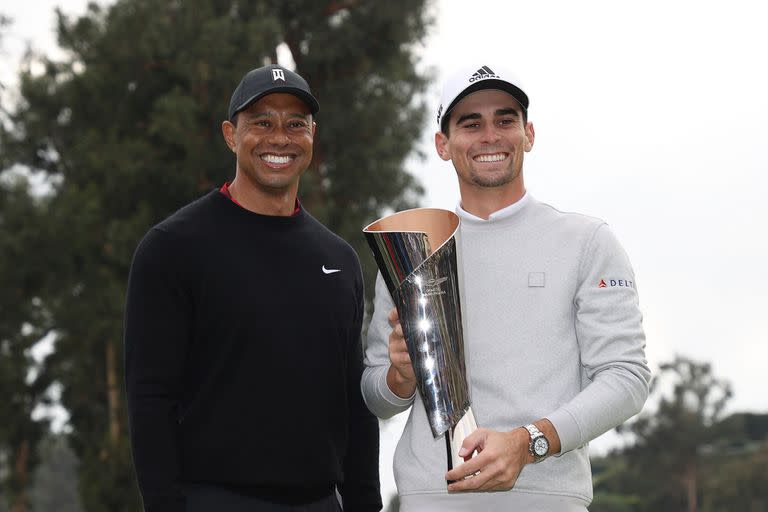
<point x="483" y="73"/>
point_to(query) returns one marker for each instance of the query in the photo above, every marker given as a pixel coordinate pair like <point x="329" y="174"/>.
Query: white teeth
<point x="276" y="159"/>
<point x="498" y="157"/>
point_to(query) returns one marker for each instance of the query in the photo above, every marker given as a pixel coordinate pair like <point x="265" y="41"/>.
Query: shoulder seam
<point x="576" y="214"/>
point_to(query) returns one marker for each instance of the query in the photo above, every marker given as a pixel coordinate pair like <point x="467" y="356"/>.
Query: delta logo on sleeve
<point x="613" y="283"/>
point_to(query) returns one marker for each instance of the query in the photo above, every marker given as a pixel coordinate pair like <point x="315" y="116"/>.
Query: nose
<point x="490" y="133"/>
<point x="279" y="136"/>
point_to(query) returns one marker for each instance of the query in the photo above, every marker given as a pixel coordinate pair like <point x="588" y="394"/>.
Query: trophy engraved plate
<point x="415" y="251"/>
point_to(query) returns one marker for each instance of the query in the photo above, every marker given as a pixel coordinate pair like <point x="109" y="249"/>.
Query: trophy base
<point x="454" y="438"/>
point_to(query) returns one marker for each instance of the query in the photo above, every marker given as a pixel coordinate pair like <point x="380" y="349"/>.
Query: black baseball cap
<point x="259" y="82"/>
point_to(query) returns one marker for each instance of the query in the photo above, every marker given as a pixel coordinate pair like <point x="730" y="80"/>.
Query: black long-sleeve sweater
<point x="243" y="359"/>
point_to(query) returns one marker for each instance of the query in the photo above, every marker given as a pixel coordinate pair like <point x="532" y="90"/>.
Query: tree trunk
<point x="21" y="473"/>
<point x="690" y="487"/>
<point x="113" y="395"/>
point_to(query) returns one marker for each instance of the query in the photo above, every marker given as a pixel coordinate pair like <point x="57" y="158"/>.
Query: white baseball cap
<point x="474" y="78"/>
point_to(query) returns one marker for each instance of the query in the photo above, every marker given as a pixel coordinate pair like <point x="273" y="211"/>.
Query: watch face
<point x="540" y="446"/>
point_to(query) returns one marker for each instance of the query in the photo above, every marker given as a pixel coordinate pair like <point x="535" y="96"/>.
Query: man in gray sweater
<point x="552" y="328"/>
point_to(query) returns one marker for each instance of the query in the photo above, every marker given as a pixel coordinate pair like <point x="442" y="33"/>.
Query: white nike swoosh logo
<point x="330" y="270"/>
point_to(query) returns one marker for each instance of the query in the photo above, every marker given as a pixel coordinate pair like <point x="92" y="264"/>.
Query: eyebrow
<point x="466" y="117"/>
<point x="499" y="112"/>
<point x="293" y="115"/>
<point x="507" y="111"/>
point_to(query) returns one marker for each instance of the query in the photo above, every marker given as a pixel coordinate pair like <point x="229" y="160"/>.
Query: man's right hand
<point x="400" y="376"/>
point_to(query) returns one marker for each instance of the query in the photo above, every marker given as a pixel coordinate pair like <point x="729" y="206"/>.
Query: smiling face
<point x="487" y="139"/>
<point x="273" y="141"/>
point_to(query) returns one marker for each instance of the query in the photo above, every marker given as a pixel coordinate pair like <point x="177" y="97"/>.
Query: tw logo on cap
<point x="278" y="74"/>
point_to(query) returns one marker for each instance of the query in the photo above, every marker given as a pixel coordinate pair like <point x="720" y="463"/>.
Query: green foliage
<point x="738" y="482"/>
<point x="127" y="129"/>
<point x="685" y="456"/>
<point x="23" y="321"/>
<point x="745" y="427"/>
<point x="731" y="477"/>
<point x="609" y="496"/>
<point x="608" y="502"/>
<point x="669" y="441"/>
<point x="361" y="66"/>
<point x="54" y="484"/>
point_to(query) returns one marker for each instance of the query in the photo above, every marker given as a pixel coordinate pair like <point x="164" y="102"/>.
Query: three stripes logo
<point x="482" y="74"/>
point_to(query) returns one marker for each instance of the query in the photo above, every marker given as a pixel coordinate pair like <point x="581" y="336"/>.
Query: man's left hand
<point x="500" y="458"/>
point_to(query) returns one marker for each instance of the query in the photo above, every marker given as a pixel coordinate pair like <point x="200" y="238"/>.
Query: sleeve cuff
<point x="567" y="430"/>
<point x="388" y="395"/>
<point x="380" y="400"/>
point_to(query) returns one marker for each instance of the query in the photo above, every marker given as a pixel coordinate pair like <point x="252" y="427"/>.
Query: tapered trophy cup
<point x="415" y="251"/>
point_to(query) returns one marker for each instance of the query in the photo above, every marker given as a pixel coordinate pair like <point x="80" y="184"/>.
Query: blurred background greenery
<point x="101" y="144"/>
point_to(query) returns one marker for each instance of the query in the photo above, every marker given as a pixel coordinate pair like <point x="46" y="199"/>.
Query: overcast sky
<point x="654" y="118"/>
<point x="651" y="115"/>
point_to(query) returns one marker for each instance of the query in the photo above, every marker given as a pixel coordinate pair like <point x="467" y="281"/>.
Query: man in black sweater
<point x="242" y="334"/>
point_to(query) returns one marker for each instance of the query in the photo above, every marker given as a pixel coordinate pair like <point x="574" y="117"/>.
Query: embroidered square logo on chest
<point x="536" y="279"/>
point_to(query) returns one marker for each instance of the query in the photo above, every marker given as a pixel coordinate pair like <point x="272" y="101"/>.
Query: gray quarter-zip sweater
<point x="552" y="329"/>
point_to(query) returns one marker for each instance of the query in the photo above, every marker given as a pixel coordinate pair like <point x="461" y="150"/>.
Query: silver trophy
<point x="415" y="251"/>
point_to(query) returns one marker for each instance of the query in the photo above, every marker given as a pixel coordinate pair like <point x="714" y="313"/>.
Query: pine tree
<point x="670" y="440"/>
<point x="23" y="321"/>
<point x="128" y="130"/>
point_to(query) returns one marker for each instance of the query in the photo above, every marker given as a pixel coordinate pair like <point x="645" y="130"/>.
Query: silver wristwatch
<point x="539" y="444"/>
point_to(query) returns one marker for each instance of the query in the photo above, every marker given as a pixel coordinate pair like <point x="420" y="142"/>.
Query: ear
<point x="228" y="130"/>
<point x="441" y="145"/>
<point x="530" y="134"/>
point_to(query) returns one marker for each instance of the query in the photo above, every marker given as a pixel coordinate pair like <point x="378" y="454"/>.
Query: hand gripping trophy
<point x="415" y="251"/>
